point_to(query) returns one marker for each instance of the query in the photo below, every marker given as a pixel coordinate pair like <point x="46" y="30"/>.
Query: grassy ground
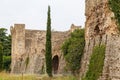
<point x="5" y="76"/>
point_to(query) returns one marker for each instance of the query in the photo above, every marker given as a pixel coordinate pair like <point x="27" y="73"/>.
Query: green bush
<point x="73" y="49"/>
<point x="96" y="63"/>
<point x="7" y="62"/>
<point x="115" y="7"/>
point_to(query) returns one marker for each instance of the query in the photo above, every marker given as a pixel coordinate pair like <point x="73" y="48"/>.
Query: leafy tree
<point x="48" y="54"/>
<point x="7" y="46"/>
<point x="6" y="62"/>
<point x="3" y="35"/>
<point x="1" y="57"/>
<point x="5" y="40"/>
<point x="73" y="49"/>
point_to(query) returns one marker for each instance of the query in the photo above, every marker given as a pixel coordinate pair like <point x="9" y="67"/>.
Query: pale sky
<point x="33" y="13"/>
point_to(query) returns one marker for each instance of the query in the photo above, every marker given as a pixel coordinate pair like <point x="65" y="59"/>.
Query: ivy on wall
<point x="115" y="7"/>
<point x="96" y="63"/>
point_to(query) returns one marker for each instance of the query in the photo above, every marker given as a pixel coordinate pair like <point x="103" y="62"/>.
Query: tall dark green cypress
<point x="48" y="54"/>
<point x="1" y="57"/>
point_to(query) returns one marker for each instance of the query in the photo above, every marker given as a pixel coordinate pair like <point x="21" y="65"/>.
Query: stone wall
<point x="28" y="49"/>
<point x="100" y="28"/>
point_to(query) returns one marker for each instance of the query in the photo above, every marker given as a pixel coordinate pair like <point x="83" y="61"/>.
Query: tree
<point x="48" y="55"/>
<point x="5" y="40"/>
<point x="1" y="57"/>
<point x="7" y="45"/>
<point x="73" y="49"/>
<point x="2" y="34"/>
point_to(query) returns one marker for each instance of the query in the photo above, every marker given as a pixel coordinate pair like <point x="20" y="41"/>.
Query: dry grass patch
<point x="59" y="78"/>
<point x="7" y="76"/>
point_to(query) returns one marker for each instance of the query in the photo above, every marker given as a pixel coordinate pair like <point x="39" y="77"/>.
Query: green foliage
<point x="3" y="34"/>
<point x="5" y="41"/>
<point x="27" y="61"/>
<point x="1" y="57"/>
<point x="96" y="63"/>
<point x="7" y="46"/>
<point x="73" y="49"/>
<point x="78" y="33"/>
<point x="115" y="7"/>
<point x="6" y="62"/>
<point x="48" y="54"/>
<point x="65" y="47"/>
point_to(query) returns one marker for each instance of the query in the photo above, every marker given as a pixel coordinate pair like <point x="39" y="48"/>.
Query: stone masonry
<point x="28" y="50"/>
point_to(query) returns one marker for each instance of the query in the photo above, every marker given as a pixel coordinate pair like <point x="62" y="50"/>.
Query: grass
<point x="7" y="76"/>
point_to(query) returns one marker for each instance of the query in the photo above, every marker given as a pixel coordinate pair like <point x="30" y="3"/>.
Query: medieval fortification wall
<point x="28" y="50"/>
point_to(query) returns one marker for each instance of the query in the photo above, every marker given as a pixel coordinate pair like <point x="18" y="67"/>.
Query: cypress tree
<point x="48" y="55"/>
<point x="1" y="57"/>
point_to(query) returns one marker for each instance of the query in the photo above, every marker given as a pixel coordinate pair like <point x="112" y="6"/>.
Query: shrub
<point x="73" y="49"/>
<point x="7" y="62"/>
<point x="96" y="63"/>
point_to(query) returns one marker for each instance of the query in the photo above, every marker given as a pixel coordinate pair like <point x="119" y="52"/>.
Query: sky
<point x="33" y="13"/>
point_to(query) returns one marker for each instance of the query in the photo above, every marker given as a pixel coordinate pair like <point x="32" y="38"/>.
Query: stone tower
<point x="18" y="44"/>
<point x="100" y="28"/>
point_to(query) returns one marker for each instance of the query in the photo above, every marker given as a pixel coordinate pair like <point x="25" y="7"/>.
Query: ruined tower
<point x="18" y="44"/>
<point x="100" y="28"/>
